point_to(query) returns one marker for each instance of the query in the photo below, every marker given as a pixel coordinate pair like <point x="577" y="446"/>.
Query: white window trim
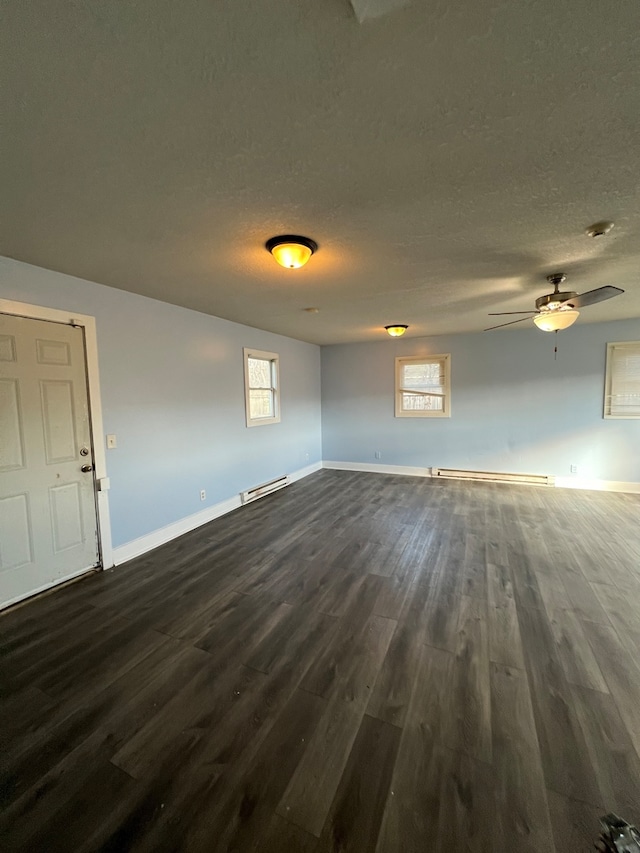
<point x="608" y="378"/>
<point x="418" y="359"/>
<point x="274" y="358"/>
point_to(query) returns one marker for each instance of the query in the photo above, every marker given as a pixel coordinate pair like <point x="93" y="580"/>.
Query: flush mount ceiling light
<point x="554" y="321"/>
<point x="397" y="330"/>
<point x="599" y="229"/>
<point x="291" y="251"/>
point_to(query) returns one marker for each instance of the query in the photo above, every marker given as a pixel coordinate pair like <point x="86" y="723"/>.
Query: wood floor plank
<point x="293" y="641"/>
<point x="468" y="725"/>
<point x="232" y="810"/>
<point x="522" y="819"/>
<point x="28" y="661"/>
<point x="311" y="790"/>
<point x="412" y="813"/>
<point x="392" y="692"/>
<point x="440" y="620"/>
<point x="110" y="715"/>
<point x="335" y="661"/>
<point x="243" y="624"/>
<point x="563" y="749"/>
<point x="465" y="820"/>
<point x="22" y="711"/>
<point x="616" y="764"/>
<point x="282" y="835"/>
<point x="553" y="592"/>
<point x="505" y="644"/>
<point x="583" y="599"/>
<point x="308" y="797"/>
<point x="621" y="672"/>
<point x="354" y="818"/>
<point x="57" y="814"/>
<point x="180" y="724"/>
<point x="474" y="575"/>
<point x="578" y="661"/>
<point x="499" y="585"/>
<point x="576" y="825"/>
<point x="341" y="591"/>
<point x="525" y="579"/>
<point x="619" y="605"/>
<point x="395" y="593"/>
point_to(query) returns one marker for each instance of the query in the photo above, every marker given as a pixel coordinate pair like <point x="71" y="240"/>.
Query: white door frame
<point x="38" y="312"/>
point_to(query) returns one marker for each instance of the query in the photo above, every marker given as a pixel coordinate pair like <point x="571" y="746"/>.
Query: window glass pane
<point x="422" y="377"/>
<point x="422" y="403"/>
<point x="259" y="373"/>
<point x="624" y="371"/>
<point x="260" y="403"/>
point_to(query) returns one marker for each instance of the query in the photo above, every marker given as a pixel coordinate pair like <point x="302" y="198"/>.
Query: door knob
<point x="86" y="468"/>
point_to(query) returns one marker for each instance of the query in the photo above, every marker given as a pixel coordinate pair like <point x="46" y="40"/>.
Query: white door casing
<point x="48" y="505"/>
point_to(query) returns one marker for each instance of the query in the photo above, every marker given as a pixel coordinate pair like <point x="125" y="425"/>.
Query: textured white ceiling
<point x="445" y="156"/>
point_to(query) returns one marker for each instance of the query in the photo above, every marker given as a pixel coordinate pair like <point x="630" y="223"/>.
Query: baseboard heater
<point x="264" y="489"/>
<point x="494" y="476"/>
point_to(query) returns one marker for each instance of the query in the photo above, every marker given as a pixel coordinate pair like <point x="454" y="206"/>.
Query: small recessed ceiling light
<point x="291" y="251"/>
<point x="599" y="229"/>
<point x="397" y="330"/>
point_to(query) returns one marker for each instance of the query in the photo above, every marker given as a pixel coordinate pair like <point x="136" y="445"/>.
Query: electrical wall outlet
<point x="306" y="455"/>
<point x="203" y="495"/>
<point x="574" y="469"/>
<point x="378" y="455"/>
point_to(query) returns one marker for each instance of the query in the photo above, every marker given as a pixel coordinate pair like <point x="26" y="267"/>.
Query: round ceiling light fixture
<point x="291" y="251"/>
<point x="397" y="330"/>
<point x="554" y="321"/>
<point x="599" y="229"/>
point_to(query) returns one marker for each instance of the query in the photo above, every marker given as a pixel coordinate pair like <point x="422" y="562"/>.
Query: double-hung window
<point x="622" y="387"/>
<point x="261" y="387"/>
<point x="423" y="387"/>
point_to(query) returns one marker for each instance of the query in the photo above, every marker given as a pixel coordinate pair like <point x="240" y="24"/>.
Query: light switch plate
<point x="111" y="442"/>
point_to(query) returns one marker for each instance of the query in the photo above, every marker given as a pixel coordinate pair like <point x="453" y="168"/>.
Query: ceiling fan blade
<point x="593" y="296"/>
<point x="501" y="325"/>
<point x="502" y="313"/>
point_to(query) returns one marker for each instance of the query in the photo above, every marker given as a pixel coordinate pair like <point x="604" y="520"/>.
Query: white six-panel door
<point x="48" y="523"/>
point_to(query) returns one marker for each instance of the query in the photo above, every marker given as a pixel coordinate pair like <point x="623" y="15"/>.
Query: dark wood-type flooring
<point x="359" y="662"/>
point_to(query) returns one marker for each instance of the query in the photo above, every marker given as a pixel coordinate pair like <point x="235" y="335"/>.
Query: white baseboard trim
<point x="143" y="544"/>
<point x="304" y="472"/>
<point x="140" y="546"/>
<point x="560" y="482"/>
<point x="597" y="485"/>
<point x="377" y="468"/>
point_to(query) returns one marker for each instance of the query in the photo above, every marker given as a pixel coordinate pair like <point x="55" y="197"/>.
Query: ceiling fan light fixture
<point x="397" y="330"/>
<point x="291" y="251"/>
<point x="555" y="321"/>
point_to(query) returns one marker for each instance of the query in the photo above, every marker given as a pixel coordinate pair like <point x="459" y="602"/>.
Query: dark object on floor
<point x="618" y="836"/>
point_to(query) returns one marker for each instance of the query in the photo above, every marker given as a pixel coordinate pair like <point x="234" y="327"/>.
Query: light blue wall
<point x="514" y="408"/>
<point x="172" y="388"/>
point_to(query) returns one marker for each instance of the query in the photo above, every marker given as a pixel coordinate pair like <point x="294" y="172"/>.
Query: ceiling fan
<point x="558" y="310"/>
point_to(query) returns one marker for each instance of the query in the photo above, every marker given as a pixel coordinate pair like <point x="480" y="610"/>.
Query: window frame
<point x="401" y="360"/>
<point x="274" y="359"/>
<point x="609" y="379"/>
